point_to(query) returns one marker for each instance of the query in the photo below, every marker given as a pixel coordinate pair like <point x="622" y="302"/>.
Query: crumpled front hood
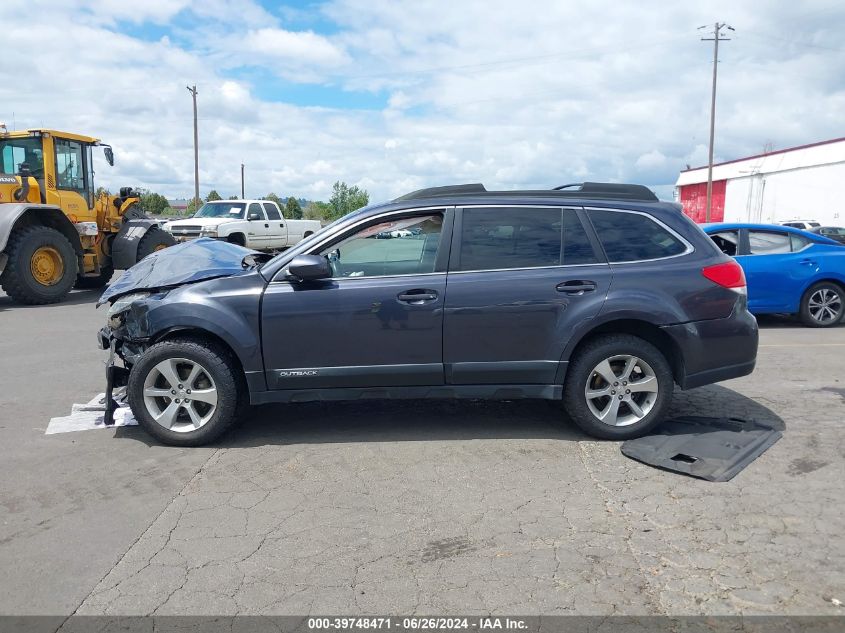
<point x="184" y="263"/>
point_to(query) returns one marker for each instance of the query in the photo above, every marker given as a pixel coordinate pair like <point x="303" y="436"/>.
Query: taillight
<point x="727" y="274"/>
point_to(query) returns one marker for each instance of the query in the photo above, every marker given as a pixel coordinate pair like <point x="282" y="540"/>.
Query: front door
<point x="258" y="227"/>
<point x="377" y="322"/>
<point x="520" y="280"/>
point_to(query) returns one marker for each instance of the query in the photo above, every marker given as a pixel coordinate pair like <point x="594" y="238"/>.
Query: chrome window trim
<point x="504" y="270"/>
<point x="689" y="248"/>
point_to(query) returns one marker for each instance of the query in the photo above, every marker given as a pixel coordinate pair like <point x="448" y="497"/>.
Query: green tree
<point x="193" y="206"/>
<point x="346" y="199"/>
<point x="233" y="198"/>
<point x="212" y="196"/>
<point x="293" y="210"/>
<point x="316" y="210"/>
<point x="272" y="197"/>
<point x="101" y="191"/>
<point x="153" y="203"/>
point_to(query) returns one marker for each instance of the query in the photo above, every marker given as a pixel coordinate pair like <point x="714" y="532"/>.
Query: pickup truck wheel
<point x="155" y="239"/>
<point x="618" y="387"/>
<point x="184" y="393"/>
<point x="42" y="266"/>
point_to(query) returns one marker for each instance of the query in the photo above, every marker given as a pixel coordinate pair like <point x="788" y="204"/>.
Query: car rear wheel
<point x="184" y="393"/>
<point x="822" y="305"/>
<point x="618" y="387"/>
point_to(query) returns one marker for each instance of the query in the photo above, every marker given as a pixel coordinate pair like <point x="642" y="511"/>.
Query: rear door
<point x="778" y="266"/>
<point x="278" y="237"/>
<point x="520" y="279"/>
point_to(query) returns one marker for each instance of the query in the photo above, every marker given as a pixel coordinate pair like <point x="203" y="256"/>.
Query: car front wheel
<point x="618" y="387"/>
<point x="184" y="393"/>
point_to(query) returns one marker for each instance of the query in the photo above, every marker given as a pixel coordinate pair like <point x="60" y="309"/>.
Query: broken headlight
<point x="122" y="305"/>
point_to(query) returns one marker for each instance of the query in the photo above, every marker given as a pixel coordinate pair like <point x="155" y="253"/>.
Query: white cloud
<point x="531" y="94"/>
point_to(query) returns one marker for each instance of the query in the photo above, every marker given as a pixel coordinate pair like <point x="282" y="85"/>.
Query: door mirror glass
<point x="109" y="155"/>
<point x="309" y="267"/>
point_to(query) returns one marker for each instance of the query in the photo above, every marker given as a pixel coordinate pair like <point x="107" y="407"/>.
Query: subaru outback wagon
<point x="596" y="295"/>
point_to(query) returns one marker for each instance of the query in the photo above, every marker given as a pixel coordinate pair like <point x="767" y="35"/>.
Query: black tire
<point x="580" y="371"/>
<point x="829" y="291"/>
<point x="99" y="280"/>
<point x="18" y="280"/>
<point x="219" y="365"/>
<point x="154" y="239"/>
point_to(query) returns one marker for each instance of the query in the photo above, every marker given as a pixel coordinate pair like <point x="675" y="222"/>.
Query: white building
<point x="806" y="182"/>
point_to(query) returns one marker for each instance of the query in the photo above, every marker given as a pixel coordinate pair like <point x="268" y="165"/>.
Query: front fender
<point x="226" y="307"/>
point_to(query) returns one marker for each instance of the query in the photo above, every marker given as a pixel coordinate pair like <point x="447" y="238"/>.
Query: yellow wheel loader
<point x="54" y="233"/>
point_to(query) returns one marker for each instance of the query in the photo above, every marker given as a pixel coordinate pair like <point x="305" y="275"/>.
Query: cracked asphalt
<point x="414" y="507"/>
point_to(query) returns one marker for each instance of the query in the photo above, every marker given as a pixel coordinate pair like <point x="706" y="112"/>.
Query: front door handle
<point x="417" y="296"/>
<point x="576" y="287"/>
<point x="266" y="226"/>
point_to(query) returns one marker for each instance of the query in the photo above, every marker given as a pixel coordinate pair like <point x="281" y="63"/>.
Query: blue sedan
<point x="787" y="270"/>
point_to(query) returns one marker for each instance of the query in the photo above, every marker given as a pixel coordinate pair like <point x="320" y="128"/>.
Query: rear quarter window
<point x="628" y="236"/>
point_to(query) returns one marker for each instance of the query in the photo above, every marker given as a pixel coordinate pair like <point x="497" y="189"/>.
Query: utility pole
<point x="242" y="182"/>
<point x="193" y="91"/>
<point x="717" y="29"/>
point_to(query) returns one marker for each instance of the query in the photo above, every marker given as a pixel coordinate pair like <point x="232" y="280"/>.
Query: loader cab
<point x="62" y="164"/>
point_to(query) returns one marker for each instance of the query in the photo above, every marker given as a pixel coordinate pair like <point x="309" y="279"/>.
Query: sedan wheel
<point x="180" y="394"/>
<point x="621" y="390"/>
<point x="823" y="305"/>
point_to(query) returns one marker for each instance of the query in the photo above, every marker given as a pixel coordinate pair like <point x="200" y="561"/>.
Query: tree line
<point x="344" y="199"/>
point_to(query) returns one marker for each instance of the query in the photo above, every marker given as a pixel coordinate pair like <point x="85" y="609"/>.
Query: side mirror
<point x="109" y="155"/>
<point x="253" y="216"/>
<point x="309" y="268"/>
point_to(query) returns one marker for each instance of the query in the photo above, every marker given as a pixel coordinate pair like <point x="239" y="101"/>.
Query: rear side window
<point x="630" y="237"/>
<point x="577" y="248"/>
<point x="513" y="237"/>
<point x="768" y="242"/>
<point x="272" y="211"/>
<point x="799" y="242"/>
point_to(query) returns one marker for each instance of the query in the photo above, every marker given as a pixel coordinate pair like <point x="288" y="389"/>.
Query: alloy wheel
<point x="621" y="390"/>
<point x="180" y="394"/>
<point x="825" y="305"/>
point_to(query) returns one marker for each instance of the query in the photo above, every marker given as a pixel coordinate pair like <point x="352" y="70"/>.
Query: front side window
<point x="768" y="242"/>
<point x="256" y="209"/>
<point x="727" y="241"/>
<point x="516" y="237"/>
<point x="404" y="246"/>
<point x="272" y="211"/>
<point x="70" y="172"/>
<point x="232" y="210"/>
<point x="14" y="151"/>
<point x="628" y="237"/>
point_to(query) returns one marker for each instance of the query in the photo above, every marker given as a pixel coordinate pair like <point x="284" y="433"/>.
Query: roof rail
<point x="600" y="190"/>
<point x="450" y="190"/>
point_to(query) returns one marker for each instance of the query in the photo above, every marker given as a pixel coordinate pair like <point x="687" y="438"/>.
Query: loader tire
<point x="155" y="239"/>
<point x="42" y="266"/>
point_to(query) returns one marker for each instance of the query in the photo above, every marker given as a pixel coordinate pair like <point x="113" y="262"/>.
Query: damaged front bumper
<point x="117" y="375"/>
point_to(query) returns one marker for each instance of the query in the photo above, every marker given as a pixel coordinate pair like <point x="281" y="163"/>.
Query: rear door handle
<point x="417" y="296"/>
<point x="576" y="287"/>
<point x="808" y="262"/>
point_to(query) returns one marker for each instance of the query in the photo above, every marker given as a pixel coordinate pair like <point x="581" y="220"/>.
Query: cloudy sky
<point x="397" y="95"/>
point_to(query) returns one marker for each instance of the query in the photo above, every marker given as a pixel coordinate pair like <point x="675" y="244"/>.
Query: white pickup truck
<point x="257" y="224"/>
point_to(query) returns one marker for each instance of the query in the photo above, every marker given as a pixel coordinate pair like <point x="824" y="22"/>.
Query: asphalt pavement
<point x="413" y="507"/>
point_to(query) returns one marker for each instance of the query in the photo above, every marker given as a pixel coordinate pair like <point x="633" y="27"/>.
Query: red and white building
<point x="806" y="183"/>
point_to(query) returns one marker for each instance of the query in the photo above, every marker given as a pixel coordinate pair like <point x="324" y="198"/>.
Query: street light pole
<point x="193" y="91"/>
<point x="717" y="28"/>
<point x="242" y="182"/>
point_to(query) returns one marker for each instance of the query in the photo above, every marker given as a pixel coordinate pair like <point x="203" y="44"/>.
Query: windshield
<point x="234" y="210"/>
<point x="14" y="151"/>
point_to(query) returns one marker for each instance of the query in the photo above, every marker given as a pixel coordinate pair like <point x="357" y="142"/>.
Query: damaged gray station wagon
<point x="596" y="295"/>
